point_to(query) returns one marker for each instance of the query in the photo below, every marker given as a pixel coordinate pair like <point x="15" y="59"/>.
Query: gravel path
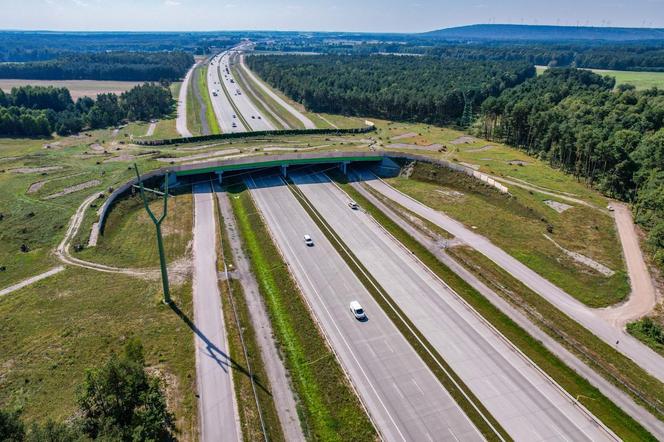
<point x="33" y="279"/>
<point x="643" y="297"/>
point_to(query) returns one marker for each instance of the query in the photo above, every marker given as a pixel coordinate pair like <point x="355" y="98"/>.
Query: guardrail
<point x="260" y="133"/>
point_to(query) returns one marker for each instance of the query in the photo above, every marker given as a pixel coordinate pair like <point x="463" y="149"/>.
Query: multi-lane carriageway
<point x="402" y="395"/>
<point x="232" y="107"/>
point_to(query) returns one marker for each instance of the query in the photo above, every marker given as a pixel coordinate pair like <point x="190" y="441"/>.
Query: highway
<point x="526" y="402"/>
<point x="220" y="103"/>
<point x="586" y="316"/>
<point x="224" y="110"/>
<point x="403" y="397"/>
<point x="308" y="124"/>
<point x="217" y="410"/>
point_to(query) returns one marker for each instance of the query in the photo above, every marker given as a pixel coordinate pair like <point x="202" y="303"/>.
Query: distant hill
<point x="544" y="33"/>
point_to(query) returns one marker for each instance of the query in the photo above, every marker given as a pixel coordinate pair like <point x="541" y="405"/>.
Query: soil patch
<point x="75" y="188"/>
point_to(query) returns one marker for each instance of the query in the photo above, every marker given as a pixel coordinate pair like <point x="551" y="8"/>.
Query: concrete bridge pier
<point x="284" y="170"/>
<point x="219" y="174"/>
<point x="344" y="167"/>
<point x="172" y="179"/>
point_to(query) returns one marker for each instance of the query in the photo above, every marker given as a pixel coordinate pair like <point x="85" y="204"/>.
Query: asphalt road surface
<point x="220" y="103"/>
<point x="403" y="397"/>
<point x="308" y="124"/>
<point x="252" y="116"/>
<point x="181" y="121"/>
<point x="525" y="401"/>
<point x="586" y="316"/>
<point x="218" y="415"/>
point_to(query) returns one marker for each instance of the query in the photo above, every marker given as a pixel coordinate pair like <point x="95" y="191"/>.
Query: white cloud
<point x="172" y="3"/>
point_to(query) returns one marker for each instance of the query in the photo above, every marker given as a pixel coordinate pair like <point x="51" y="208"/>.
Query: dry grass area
<point x="77" y="88"/>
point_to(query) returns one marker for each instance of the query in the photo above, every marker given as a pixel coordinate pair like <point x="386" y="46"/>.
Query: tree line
<point x="121" y="66"/>
<point x="574" y="119"/>
<point x="392" y="87"/>
<point x="118" y="401"/>
<point x="30" y="111"/>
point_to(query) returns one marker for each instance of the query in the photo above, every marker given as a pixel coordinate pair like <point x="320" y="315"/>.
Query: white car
<point x="308" y="241"/>
<point x="357" y="311"/>
<point x="353" y="205"/>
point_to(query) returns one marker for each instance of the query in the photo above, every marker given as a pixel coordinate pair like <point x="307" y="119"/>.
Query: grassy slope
<point x="129" y="239"/>
<point x="193" y="106"/>
<point x="54" y="330"/>
<point x="495" y="216"/>
<point x="328" y="408"/>
<point x="577" y="386"/>
<point x="581" y="229"/>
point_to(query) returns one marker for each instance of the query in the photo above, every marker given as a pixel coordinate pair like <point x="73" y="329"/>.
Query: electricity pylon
<point x="157" y="225"/>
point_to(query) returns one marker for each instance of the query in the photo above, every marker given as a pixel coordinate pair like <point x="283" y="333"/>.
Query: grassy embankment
<point x="328" y="407"/>
<point x="194" y="123"/>
<point x="589" y="231"/>
<point x="55" y="329"/>
<point x="494" y="215"/>
<point x="626" y="427"/>
<point x="249" y="365"/>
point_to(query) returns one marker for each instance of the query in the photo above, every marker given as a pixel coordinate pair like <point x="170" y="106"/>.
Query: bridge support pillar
<point x="344" y="167"/>
<point x="284" y="170"/>
<point x="219" y="174"/>
<point x="172" y="179"/>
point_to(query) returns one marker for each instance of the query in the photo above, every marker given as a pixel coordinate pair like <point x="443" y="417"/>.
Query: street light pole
<point x="157" y="225"/>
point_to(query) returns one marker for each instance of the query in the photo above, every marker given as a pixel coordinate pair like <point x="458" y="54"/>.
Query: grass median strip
<point x="261" y="105"/>
<point x="239" y="115"/>
<point x="328" y="408"/>
<point x="577" y="386"/>
<point x="291" y="120"/>
<point x="258" y="416"/>
<point x="478" y="414"/>
<point x="211" y="117"/>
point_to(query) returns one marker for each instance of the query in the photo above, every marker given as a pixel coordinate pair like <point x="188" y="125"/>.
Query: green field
<point x="641" y="80"/>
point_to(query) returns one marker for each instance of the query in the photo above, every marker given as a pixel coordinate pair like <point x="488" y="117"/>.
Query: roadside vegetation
<point x="402" y="88"/>
<point x="245" y="352"/>
<point x="204" y="94"/>
<point x="613" y="140"/>
<point x="129" y="236"/>
<point x="142" y="414"/>
<point x="494" y="215"/>
<point x="622" y="424"/>
<point x="649" y="330"/>
<point x="328" y="407"/>
<point x="55" y="330"/>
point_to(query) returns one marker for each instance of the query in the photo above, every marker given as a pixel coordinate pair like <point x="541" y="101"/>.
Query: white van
<point x="308" y="241"/>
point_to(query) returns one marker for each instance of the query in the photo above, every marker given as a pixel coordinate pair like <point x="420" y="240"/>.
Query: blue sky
<point x="320" y="15"/>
